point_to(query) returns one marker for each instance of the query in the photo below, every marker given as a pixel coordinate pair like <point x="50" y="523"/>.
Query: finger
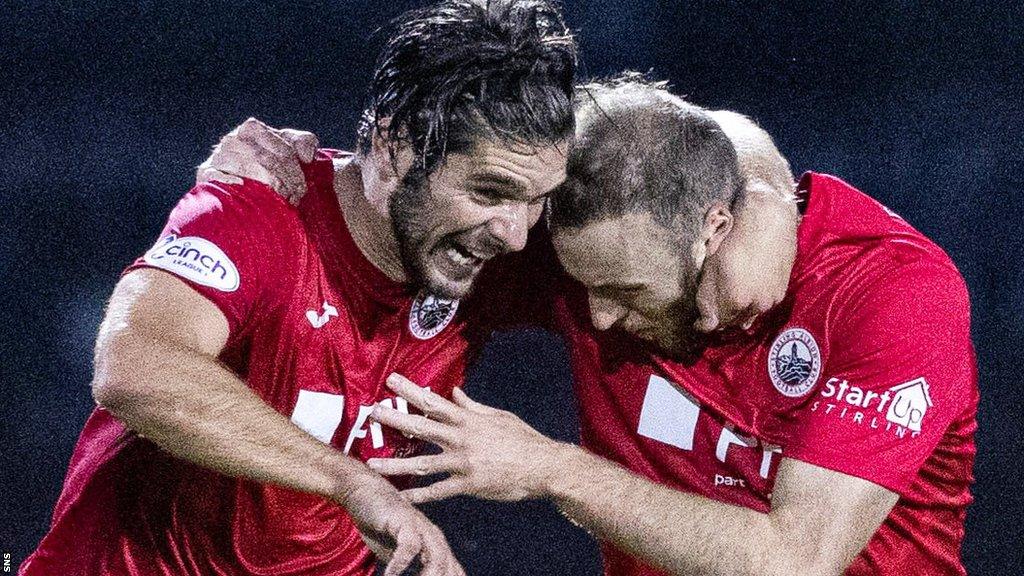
<point x="228" y="160"/>
<point x="461" y="399"/>
<point x="212" y="175"/>
<point x="413" y="425"/>
<point x="437" y="556"/>
<point x="416" y="466"/>
<point x="283" y="159"/>
<point x="251" y="125"/>
<point x="305" y="143"/>
<point x="277" y="156"/>
<point x="406" y="548"/>
<point x="431" y="404"/>
<point x="248" y="126"/>
<point x="437" y="491"/>
<point x="247" y="160"/>
<point x="432" y="555"/>
<point x="270" y="139"/>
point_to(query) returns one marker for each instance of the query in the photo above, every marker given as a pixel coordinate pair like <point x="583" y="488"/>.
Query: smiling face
<point x="639" y="278"/>
<point x="477" y="205"/>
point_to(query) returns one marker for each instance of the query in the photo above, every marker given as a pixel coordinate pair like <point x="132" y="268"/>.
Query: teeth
<point x="458" y="257"/>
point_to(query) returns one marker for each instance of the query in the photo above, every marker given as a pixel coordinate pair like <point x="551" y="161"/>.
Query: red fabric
<point x="129" y="508"/>
<point x="886" y="312"/>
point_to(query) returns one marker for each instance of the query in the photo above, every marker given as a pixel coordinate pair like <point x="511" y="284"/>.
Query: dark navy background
<point x="105" y="108"/>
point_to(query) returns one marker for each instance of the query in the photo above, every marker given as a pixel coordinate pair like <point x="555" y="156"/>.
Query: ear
<point x="387" y="170"/>
<point x="718" y="222"/>
<point x="381" y="174"/>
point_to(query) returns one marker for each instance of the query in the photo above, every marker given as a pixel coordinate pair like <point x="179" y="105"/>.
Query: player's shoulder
<point x="904" y="290"/>
<point x="857" y="235"/>
<point x="248" y="199"/>
<point x="247" y="210"/>
<point x="231" y="222"/>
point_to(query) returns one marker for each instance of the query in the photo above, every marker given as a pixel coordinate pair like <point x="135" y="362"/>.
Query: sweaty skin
<point x="820" y="519"/>
<point x="742" y="280"/>
<point x="728" y="295"/>
<point x="157" y="371"/>
<point x="477" y="205"/>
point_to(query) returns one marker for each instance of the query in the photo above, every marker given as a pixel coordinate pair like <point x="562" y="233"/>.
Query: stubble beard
<point x="684" y="339"/>
<point x="408" y="213"/>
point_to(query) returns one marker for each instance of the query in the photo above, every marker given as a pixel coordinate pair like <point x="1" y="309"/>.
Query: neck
<point x="769" y="213"/>
<point x="370" y="230"/>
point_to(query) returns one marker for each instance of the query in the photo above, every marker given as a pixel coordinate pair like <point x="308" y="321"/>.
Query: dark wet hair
<point x="460" y="70"/>
<point x="640" y="149"/>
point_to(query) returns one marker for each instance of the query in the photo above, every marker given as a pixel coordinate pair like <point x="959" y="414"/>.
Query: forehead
<point x="624" y="250"/>
<point x="533" y="170"/>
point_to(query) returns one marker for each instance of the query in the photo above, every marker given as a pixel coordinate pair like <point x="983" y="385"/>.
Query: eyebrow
<point x="624" y="287"/>
<point x="517" y="189"/>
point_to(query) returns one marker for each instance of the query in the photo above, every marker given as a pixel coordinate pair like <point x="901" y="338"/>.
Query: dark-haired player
<point x="240" y="358"/>
<point x="836" y="435"/>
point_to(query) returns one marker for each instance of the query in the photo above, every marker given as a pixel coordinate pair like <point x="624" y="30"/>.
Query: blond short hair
<point x="756" y="153"/>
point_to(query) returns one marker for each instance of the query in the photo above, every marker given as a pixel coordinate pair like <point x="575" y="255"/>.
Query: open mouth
<point x="463" y="256"/>
<point x="460" y="262"/>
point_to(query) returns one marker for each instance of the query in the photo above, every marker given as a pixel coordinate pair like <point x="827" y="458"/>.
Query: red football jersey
<point x="866" y="368"/>
<point x="315" y="329"/>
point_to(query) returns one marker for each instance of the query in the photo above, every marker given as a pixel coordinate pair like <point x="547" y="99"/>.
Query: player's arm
<point x="819" y="521"/>
<point x="157" y="371"/>
<point x="738" y="284"/>
<point x="908" y="325"/>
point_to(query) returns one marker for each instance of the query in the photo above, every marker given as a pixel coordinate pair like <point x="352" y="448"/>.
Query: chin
<point x="445" y="278"/>
<point x="440" y="285"/>
<point x="673" y="345"/>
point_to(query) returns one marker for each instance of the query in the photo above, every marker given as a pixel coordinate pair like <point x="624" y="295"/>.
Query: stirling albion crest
<point x="430" y="314"/>
<point x="794" y="362"/>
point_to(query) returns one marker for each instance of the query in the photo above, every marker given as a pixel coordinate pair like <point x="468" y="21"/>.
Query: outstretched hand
<point x="487" y="453"/>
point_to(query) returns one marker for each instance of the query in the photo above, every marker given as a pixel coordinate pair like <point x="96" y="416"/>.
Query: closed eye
<point x="488" y="196"/>
<point x="616" y="291"/>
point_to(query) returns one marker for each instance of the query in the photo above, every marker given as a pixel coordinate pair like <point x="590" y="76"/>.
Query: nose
<point x="604" y="313"/>
<point x="510" y="226"/>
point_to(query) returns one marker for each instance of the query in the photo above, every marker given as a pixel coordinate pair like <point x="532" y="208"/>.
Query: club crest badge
<point x="794" y="362"/>
<point x="430" y="314"/>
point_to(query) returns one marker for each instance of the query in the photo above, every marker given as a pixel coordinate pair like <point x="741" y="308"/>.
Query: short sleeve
<point x="901" y="370"/>
<point x="234" y="244"/>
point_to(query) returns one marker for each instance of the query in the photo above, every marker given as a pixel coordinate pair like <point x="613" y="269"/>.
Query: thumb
<point x="205" y="174"/>
<point x="304" y="143"/>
